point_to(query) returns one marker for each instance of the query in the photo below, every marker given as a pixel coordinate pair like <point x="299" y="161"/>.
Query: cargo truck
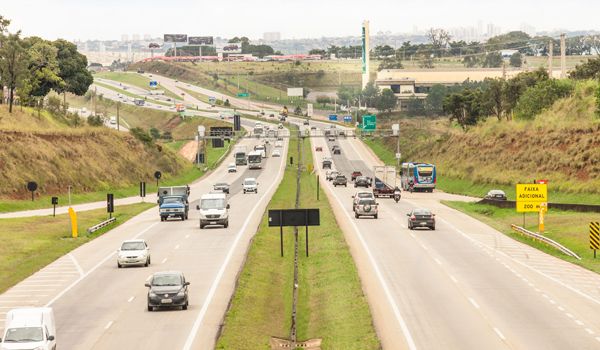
<point x="240" y="153"/>
<point x="385" y="181"/>
<point x="173" y="202"/>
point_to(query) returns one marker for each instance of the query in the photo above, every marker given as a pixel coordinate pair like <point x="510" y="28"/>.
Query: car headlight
<point x="181" y="293"/>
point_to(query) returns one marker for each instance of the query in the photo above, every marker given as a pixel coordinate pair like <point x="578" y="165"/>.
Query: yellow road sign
<point x="530" y="197"/>
<point x="595" y="235"/>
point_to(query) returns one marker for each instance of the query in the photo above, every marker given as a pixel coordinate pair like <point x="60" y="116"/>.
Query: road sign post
<point x="54" y="203"/>
<point x="293" y="217"/>
<point x="594" y="236"/>
<point x="32" y="186"/>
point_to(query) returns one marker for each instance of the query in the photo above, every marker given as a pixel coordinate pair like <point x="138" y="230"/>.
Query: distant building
<point x="147" y="37"/>
<point x="508" y="53"/>
<point x="124" y="37"/>
<point x="135" y="37"/>
<point x="272" y="36"/>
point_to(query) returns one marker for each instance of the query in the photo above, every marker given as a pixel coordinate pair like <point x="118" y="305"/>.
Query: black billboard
<point x="200" y="40"/>
<point x="175" y="38"/>
<point x="294" y="217"/>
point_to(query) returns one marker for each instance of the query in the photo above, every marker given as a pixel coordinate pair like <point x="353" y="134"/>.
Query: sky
<point x="109" y="19"/>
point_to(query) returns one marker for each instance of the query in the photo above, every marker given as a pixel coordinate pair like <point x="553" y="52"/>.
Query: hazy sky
<point x="108" y="19"/>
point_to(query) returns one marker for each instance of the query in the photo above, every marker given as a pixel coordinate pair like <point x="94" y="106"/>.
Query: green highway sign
<point x="243" y="94"/>
<point x="369" y="122"/>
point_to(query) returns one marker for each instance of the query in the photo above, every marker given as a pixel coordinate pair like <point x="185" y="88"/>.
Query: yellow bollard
<point x="543" y="210"/>
<point x="73" y="217"/>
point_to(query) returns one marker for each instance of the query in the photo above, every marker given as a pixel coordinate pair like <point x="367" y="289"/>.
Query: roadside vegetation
<point x="136" y="80"/>
<point x="32" y="243"/>
<point x="331" y="304"/>
<point x="568" y="228"/>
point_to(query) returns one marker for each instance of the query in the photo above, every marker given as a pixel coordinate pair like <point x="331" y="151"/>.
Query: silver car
<point x="133" y="252"/>
<point x="366" y="207"/>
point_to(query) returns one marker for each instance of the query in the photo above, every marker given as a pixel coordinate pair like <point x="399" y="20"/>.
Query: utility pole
<point x="563" y="57"/>
<point x="550" y="53"/>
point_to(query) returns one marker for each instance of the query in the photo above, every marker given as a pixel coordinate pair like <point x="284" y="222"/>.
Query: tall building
<point x="135" y="37"/>
<point x="124" y="37"/>
<point x="272" y="36"/>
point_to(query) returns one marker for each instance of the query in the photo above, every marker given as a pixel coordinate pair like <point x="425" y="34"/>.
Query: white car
<point x="232" y="168"/>
<point x="361" y="195"/>
<point x="29" y="328"/>
<point x="133" y="252"/>
<point x="250" y="185"/>
<point x="276" y="153"/>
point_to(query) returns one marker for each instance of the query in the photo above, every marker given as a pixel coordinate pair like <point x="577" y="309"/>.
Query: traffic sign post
<point x="594" y="236"/>
<point x="243" y="94"/>
<point x="533" y="198"/>
<point x="54" y="203"/>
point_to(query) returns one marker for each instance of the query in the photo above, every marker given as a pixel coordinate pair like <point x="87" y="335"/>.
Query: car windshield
<point x="133" y="246"/>
<point x="421" y="212"/>
<point x="365" y="195"/>
<point x="166" y="280"/>
<point x="221" y="184"/>
<point x="213" y="203"/>
<point x="496" y="192"/>
<point x="367" y="201"/>
<point x="171" y="200"/>
<point x="24" y="335"/>
<point x="249" y="182"/>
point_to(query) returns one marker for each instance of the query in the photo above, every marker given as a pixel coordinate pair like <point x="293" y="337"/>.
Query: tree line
<point x="32" y="67"/>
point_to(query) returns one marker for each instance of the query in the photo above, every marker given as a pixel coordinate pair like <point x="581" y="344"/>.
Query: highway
<point x="98" y="306"/>
<point x="463" y="286"/>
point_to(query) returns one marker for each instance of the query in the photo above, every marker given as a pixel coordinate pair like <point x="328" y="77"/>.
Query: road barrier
<point x="544" y="239"/>
<point x="559" y="206"/>
<point x="101" y="225"/>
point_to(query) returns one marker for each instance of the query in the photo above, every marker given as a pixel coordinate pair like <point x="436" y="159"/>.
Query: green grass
<point x="565" y="227"/>
<point x="331" y="304"/>
<point x="28" y="244"/>
<point x="386" y="155"/>
<point x="190" y="175"/>
<point x="121" y="91"/>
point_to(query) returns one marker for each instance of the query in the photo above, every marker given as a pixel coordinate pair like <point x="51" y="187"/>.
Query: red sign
<point x="542" y="181"/>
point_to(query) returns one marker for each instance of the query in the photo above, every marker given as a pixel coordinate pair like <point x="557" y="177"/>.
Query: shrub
<point x="95" y="120"/>
<point x="141" y="135"/>
<point x="541" y="96"/>
<point x="322" y="99"/>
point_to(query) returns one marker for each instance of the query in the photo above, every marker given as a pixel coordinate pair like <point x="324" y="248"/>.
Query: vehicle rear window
<point x="367" y="201"/>
<point x="422" y="212"/>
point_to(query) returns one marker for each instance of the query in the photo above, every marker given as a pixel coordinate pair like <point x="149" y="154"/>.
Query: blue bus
<point x="422" y="176"/>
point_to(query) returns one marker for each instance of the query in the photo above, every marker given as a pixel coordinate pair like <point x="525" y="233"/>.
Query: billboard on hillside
<point x="175" y="38"/>
<point x="200" y="40"/>
<point x="295" y="92"/>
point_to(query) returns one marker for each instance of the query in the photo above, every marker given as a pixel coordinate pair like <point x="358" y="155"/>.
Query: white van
<point x="29" y="328"/>
<point x="214" y="210"/>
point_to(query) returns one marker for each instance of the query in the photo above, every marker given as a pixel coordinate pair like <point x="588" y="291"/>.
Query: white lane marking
<point x="574" y="290"/>
<point x="77" y="266"/>
<point x="56" y="273"/>
<point x="453" y="279"/>
<point x="403" y="325"/>
<point x="598" y="338"/>
<point x="187" y="236"/>
<point x="552" y="301"/>
<point x="474" y="303"/>
<point x="569" y="315"/>
<point x="589" y="331"/>
<point x="499" y="333"/>
<point x="413" y="235"/>
<point x="163" y="261"/>
<point x="213" y="288"/>
<point x="424" y="247"/>
<point x="546" y="296"/>
<point x="130" y="299"/>
<point x="37" y="284"/>
<point x="177" y="247"/>
<point x="579" y="322"/>
<point x="64" y="291"/>
<point x="437" y="261"/>
<point x="561" y="308"/>
<point x="108" y="325"/>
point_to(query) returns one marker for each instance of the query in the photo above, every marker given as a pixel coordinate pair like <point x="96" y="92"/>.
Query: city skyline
<point x="263" y="16"/>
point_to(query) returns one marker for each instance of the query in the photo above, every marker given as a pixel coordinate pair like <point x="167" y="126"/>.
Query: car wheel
<point x="149" y="261"/>
<point x="355" y="186"/>
<point x="226" y="224"/>
<point x="186" y="216"/>
<point x="433" y="228"/>
<point x="356" y="215"/>
<point x="201" y="226"/>
<point x="182" y="217"/>
<point x="119" y="265"/>
<point x="375" y="216"/>
<point x="150" y="308"/>
<point x="185" y="307"/>
<point x="162" y="218"/>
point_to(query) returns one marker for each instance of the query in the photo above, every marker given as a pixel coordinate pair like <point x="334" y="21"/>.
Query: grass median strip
<point x="568" y="228"/>
<point x="28" y="244"/>
<point x="331" y="304"/>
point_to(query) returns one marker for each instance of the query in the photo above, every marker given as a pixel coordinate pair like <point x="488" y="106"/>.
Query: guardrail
<point x="544" y="239"/>
<point x="101" y="225"/>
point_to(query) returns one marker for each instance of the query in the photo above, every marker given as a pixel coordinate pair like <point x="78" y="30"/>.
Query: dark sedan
<point x="221" y="186"/>
<point x="167" y="289"/>
<point x="421" y="218"/>
<point x="362" y="181"/>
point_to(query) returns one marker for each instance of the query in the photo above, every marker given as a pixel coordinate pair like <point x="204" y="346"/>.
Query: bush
<point x="298" y="110"/>
<point x="226" y="103"/>
<point x="322" y="99"/>
<point x="141" y="135"/>
<point x="516" y="60"/>
<point x="541" y="96"/>
<point x="95" y="120"/>
<point x="54" y="105"/>
<point x="587" y="70"/>
<point x="155" y="133"/>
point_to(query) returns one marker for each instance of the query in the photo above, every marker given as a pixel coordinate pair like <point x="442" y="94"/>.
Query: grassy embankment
<point x="93" y="160"/>
<point x="331" y="304"/>
<point x="562" y="144"/>
<point x="28" y="244"/>
<point x="566" y="227"/>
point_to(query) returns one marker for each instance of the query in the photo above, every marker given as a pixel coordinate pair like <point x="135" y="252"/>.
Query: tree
<point x="426" y="62"/>
<point x="42" y="69"/>
<point x="155" y="133"/>
<point x="493" y="60"/>
<point x="347" y="94"/>
<point x="492" y="99"/>
<point x="588" y="70"/>
<point x="516" y="59"/>
<point x="317" y="52"/>
<point x="387" y="101"/>
<point x="434" y="102"/>
<point x="415" y="106"/>
<point x="72" y="69"/>
<point x="464" y="107"/>
<point x="390" y="63"/>
<point x="517" y="40"/>
<point x="471" y="61"/>
<point x="514" y="88"/>
<point x="370" y="94"/>
<point x="13" y="59"/>
<point x="323" y="99"/>
<point x="439" y="38"/>
<point x="541" y="96"/>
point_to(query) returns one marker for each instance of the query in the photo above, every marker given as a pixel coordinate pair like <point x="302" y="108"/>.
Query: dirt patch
<point x="188" y="151"/>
